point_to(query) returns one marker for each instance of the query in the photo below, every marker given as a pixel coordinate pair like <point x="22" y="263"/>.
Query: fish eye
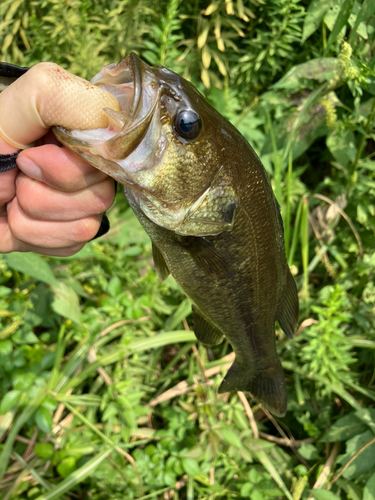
<point x="187" y="124"/>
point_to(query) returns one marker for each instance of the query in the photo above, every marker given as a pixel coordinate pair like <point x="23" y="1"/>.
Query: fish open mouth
<point x="136" y="90"/>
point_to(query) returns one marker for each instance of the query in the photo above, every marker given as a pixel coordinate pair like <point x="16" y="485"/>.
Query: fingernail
<point x="29" y="168"/>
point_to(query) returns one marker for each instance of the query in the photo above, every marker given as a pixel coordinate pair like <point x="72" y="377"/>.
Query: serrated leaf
<point x="31" y="264"/>
<point x="66" y="302"/>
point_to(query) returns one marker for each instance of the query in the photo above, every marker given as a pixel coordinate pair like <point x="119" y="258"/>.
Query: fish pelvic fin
<point x="160" y="264"/>
<point x="266" y="386"/>
<point x="287" y="315"/>
<point x="204" y="331"/>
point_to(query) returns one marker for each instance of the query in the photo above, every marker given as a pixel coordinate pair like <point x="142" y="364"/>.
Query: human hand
<point x="53" y="202"/>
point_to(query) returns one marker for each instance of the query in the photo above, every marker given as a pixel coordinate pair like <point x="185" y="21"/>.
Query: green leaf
<point x="4" y="291"/>
<point x="369" y="491"/>
<point x="6" y="347"/>
<point x="341" y="20"/>
<point x="366" y="458"/>
<point x="66" y="302"/>
<point x="10" y="400"/>
<point x="25" y="338"/>
<point x="190" y="466"/>
<point x="66" y="466"/>
<point x="314" y="16"/>
<point x="114" y="286"/>
<point x="367" y="415"/>
<point x="44" y="450"/>
<point x="76" y="477"/>
<point x="342" y="147"/>
<point x="43" y="420"/>
<point x="343" y="429"/>
<point x="308" y="451"/>
<point x="324" y="495"/>
<point x="322" y="69"/>
<point x="367" y="10"/>
<point x="31" y="264"/>
<point x="230" y="437"/>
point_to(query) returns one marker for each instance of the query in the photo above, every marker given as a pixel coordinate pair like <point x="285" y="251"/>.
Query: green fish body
<point x="203" y="196"/>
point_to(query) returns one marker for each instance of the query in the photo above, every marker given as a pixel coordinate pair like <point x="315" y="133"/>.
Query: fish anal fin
<point x="204" y="331"/>
<point x="287" y="315"/>
<point x="159" y="262"/>
<point x="206" y="256"/>
<point x="266" y="386"/>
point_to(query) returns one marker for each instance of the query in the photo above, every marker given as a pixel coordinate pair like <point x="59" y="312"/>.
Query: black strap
<point x="11" y="71"/>
<point x="8" y="162"/>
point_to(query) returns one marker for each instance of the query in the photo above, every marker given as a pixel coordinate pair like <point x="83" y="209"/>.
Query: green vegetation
<point x="105" y="393"/>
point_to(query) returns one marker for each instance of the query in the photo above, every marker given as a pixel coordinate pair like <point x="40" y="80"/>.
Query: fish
<point x="202" y="194"/>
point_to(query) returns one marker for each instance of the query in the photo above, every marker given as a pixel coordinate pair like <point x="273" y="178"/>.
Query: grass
<point x="104" y="390"/>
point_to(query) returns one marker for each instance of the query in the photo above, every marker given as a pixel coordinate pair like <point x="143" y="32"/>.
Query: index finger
<point x="59" y="168"/>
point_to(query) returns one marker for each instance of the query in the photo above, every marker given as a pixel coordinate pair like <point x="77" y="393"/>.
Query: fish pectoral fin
<point x="159" y="262"/>
<point x="215" y="210"/>
<point x="204" y="331"/>
<point x="287" y="315"/>
<point x="206" y="256"/>
<point x="266" y="386"/>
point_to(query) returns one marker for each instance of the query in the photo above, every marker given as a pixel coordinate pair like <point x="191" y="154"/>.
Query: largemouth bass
<point x="203" y="196"/>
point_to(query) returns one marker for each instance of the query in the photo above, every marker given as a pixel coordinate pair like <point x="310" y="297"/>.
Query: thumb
<point x="48" y="95"/>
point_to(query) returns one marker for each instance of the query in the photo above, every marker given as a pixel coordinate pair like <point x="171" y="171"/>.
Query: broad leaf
<point x="314" y="16"/>
<point x="66" y="302"/>
<point x="343" y="429"/>
<point x="31" y="264"/>
<point x="366" y="458"/>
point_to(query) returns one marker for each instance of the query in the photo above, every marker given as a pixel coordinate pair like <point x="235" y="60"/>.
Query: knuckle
<point x="105" y="199"/>
<point x="84" y="230"/>
<point x="15" y="228"/>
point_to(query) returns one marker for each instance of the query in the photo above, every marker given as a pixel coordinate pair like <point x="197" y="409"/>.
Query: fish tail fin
<point x="266" y="386"/>
<point x="287" y="315"/>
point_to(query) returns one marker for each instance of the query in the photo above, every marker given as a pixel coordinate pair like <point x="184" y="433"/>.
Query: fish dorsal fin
<point x="159" y="262"/>
<point x="206" y="256"/>
<point x="266" y="386"/>
<point x="204" y="331"/>
<point x="287" y="315"/>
